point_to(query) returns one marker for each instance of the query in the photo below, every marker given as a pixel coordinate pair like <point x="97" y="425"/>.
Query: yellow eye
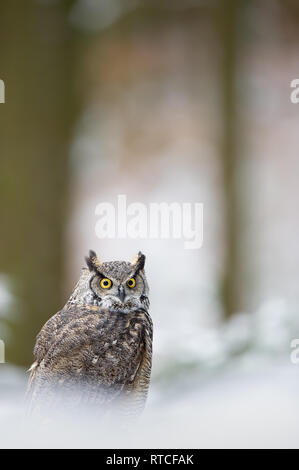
<point x="105" y="283"/>
<point x="131" y="283"/>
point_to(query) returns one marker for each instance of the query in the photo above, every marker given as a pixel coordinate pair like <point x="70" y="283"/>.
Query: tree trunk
<point x="37" y="51"/>
<point x="228" y="23"/>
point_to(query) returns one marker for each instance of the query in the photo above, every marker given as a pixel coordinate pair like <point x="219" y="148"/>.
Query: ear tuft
<point x="92" y="261"/>
<point x="92" y="254"/>
<point x="139" y="261"/>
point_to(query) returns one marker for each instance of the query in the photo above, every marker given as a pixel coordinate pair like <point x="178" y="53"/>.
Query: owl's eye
<point x="105" y="283"/>
<point x="131" y="283"/>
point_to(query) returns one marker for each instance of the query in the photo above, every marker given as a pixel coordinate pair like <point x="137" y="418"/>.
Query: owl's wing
<point x="100" y="354"/>
<point x="44" y="340"/>
<point x="138" y="389"/>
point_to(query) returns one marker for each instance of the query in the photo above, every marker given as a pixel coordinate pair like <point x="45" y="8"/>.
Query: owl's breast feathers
<point x="106" y="354"/>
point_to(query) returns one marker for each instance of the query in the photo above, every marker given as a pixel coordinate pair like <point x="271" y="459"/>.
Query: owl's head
<point x="116" y="285"/>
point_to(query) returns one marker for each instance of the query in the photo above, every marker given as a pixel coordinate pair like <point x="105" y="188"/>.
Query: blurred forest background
<point x="162" y="101"/>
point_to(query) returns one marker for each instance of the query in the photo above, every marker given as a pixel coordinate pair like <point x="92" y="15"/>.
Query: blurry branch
<point x="101" y="15"/>
<point x="37" y="51"/>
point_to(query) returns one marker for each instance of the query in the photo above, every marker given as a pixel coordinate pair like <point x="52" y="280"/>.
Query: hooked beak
<point x="121" y="293"/>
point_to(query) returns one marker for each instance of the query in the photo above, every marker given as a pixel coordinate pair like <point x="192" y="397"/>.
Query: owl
<point x="97" y="350"/>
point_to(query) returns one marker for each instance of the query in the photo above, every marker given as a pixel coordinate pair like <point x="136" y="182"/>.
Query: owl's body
<point x="97" y="350"/>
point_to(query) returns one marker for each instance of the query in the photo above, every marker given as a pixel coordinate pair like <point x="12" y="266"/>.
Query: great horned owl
<point x="100" y="344"/>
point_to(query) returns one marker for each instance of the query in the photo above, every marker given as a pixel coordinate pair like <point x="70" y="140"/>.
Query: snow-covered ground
<point x="241" y="394"/>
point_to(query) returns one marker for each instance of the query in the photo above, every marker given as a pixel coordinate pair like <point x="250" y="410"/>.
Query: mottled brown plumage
<point x="97" y="350"/>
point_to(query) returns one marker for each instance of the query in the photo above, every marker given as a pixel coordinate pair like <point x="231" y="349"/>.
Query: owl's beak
<point x="121" y="293"/>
